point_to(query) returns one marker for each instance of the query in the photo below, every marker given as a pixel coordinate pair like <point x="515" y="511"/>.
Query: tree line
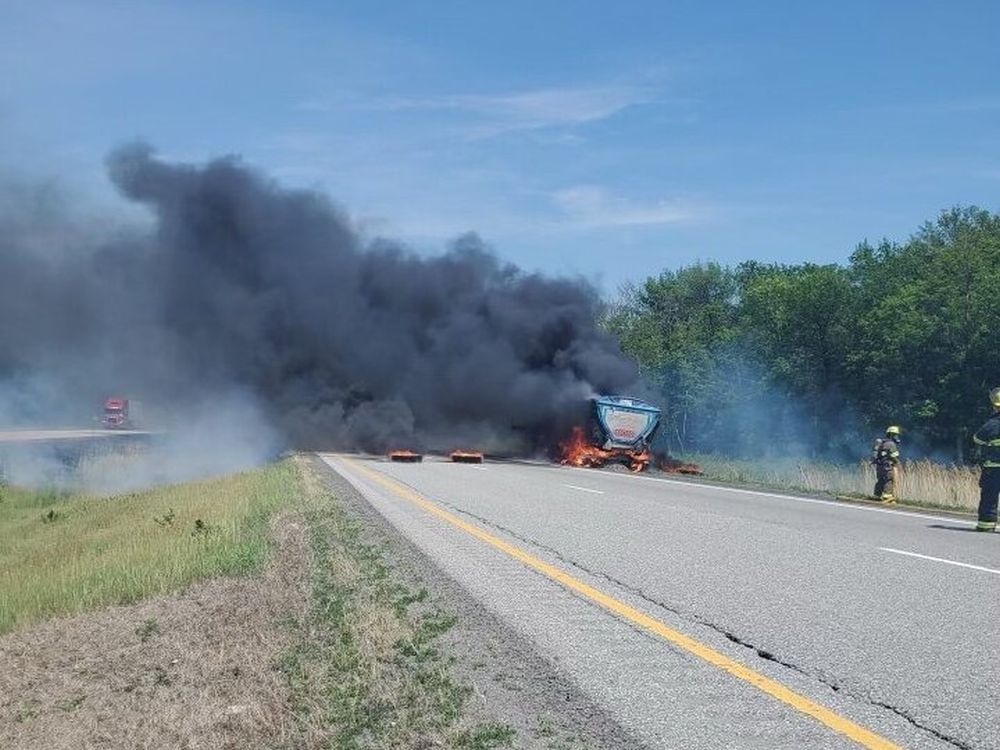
<point x="809" y="359"/>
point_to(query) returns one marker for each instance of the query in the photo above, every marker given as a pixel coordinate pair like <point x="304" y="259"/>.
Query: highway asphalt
<point x="706" y="617"/>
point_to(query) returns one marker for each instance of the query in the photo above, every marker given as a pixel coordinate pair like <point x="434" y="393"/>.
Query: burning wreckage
<point x="618" y="429"/>
<point x="406" y="456"/>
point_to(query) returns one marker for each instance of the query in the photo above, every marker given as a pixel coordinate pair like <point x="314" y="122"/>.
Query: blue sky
<point x="611" y="140"/>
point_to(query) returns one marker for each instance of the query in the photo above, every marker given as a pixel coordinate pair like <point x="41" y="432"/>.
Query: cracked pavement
<point x="805" y="592"/>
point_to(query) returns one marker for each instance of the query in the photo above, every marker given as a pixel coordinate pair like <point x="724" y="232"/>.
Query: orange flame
<point x="576" y="451"/>
<point x="405" y="456"/>
<point x="466" y="457"/>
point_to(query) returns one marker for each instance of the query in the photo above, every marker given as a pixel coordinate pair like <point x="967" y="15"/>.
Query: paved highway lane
<point x="887" y="620"/>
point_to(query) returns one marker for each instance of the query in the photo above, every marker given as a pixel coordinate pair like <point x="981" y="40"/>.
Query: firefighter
<point x="987" y="438"/>
<point x="885" y="458"/>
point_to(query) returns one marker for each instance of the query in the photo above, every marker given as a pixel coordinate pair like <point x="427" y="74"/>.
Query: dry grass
<point x="193" y="671"/>
<point x="63" y="553"/>
<point x="921" y="482"/>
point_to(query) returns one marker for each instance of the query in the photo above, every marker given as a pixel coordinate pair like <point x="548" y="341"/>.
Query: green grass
<point x="922" y="483"/>
<point x="62" y="553"/>
<point x="485" y="737"/>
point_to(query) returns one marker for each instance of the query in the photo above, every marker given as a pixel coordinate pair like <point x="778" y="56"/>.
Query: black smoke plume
<point x="241" y="286"/>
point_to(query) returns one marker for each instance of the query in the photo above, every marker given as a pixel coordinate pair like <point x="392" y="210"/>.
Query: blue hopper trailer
<point x="619" y="429"/>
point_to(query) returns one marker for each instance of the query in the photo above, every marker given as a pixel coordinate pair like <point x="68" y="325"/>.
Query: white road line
<point x="777" y="495"/>
<point x="940" y="560"/>
<point x="584" y="489"/>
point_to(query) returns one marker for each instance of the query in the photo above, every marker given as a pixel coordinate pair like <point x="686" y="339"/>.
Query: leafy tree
<point x="930" y="338"/>
<point x="676" y="325"/>
<point x="765" y="354"/>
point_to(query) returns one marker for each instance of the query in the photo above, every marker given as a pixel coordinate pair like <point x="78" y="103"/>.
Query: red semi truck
<point x="120" y="413"/>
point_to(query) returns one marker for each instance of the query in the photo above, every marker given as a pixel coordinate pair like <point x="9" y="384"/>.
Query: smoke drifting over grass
<point x="229" y="436"/>
<point x="334" y="341"/>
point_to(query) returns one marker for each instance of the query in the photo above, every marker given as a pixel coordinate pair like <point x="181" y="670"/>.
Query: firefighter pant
<point x="989" y="492"/>
<point x="885" y="484"/>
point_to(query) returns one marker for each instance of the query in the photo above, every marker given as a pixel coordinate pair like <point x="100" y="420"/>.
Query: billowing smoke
<point x="338" y="342"/>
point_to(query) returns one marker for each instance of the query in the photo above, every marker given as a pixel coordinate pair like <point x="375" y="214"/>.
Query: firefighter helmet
<point x="995" y="397"/>
<point x="892" y="430"/>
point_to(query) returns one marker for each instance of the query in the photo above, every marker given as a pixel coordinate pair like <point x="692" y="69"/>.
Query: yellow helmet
<point x="892" y="430"/>
<point x="995" y="397"/>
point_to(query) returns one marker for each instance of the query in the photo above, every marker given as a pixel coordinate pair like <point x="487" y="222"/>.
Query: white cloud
<point x="531" y="109"/>
<point x="595" y="206"/>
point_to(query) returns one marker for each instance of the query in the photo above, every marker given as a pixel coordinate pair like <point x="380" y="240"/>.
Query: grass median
<point x="62" y="552"/>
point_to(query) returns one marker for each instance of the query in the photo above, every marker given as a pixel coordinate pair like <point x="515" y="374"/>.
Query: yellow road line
<point x="776" y="690"/>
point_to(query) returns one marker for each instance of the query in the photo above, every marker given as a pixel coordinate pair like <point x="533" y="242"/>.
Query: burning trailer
<point x="619" y="429"/>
